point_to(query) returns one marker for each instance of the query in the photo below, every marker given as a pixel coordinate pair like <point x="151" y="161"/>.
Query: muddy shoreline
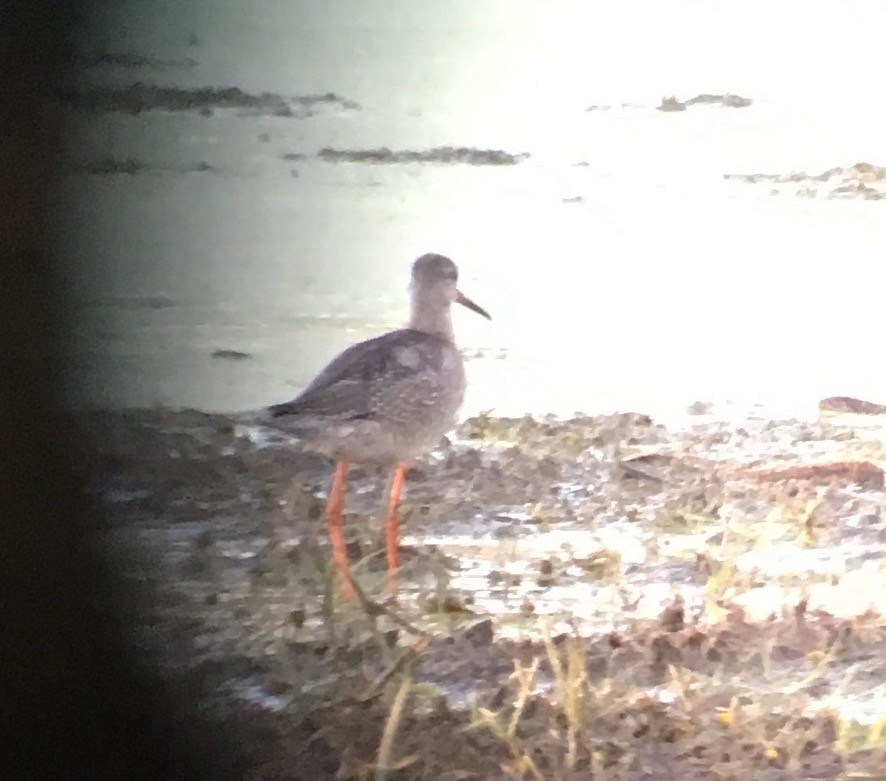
<point x="594" y="597"/>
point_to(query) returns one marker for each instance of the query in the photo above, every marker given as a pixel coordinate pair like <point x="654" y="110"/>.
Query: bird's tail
<point x="258" y="427"/>
<point x="279" y="410"/>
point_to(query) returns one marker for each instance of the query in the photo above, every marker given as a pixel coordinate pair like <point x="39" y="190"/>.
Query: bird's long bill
<point x="461" y="298"/>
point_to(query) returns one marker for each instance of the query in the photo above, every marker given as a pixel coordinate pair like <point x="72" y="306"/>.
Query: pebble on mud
<point x="231" y="355"/>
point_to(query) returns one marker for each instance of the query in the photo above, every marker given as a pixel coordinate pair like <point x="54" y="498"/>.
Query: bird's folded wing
<point x="363" y="376"/>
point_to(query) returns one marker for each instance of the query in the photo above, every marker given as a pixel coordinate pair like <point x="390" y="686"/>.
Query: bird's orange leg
<point x="391" y="523"/>
<point x="335" y="505"/>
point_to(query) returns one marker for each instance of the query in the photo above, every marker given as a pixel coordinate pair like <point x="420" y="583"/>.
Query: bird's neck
<point x="431" y="319"/>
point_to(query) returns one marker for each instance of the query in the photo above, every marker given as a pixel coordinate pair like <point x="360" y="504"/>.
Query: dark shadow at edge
<point x="74" y="704"/>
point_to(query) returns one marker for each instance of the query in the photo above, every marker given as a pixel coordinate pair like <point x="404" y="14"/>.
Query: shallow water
<point x="621" y="269"/>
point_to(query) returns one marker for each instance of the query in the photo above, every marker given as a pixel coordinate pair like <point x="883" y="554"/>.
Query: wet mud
<point x="132" y="61"/>
<point x="728" y="100"/>
<point x="862" y="180"/>
<point x="443" y="154"/>
<point x="595" y="597"/>
<point x="131" y="166"/>
<point x="673" y="103"/>
<point x="141" y="96"/>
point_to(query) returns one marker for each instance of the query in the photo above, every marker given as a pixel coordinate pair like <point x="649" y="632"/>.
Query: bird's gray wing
<point x="350" y="386"/>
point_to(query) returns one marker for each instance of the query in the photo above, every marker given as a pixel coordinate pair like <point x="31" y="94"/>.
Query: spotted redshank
<point x="386" y="401"/>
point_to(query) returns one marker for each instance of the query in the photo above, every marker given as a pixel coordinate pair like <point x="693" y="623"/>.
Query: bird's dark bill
<point x="462" y="299"/>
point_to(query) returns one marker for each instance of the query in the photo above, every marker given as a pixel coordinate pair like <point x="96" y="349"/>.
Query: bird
<point x="385" y="401"/>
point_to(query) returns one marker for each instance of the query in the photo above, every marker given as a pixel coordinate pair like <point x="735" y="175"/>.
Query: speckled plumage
<point x="384" y="400"/>
<point x="391" y="398"/>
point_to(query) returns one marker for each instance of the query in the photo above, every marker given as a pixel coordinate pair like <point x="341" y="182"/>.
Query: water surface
<point x="620" y="267"/>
